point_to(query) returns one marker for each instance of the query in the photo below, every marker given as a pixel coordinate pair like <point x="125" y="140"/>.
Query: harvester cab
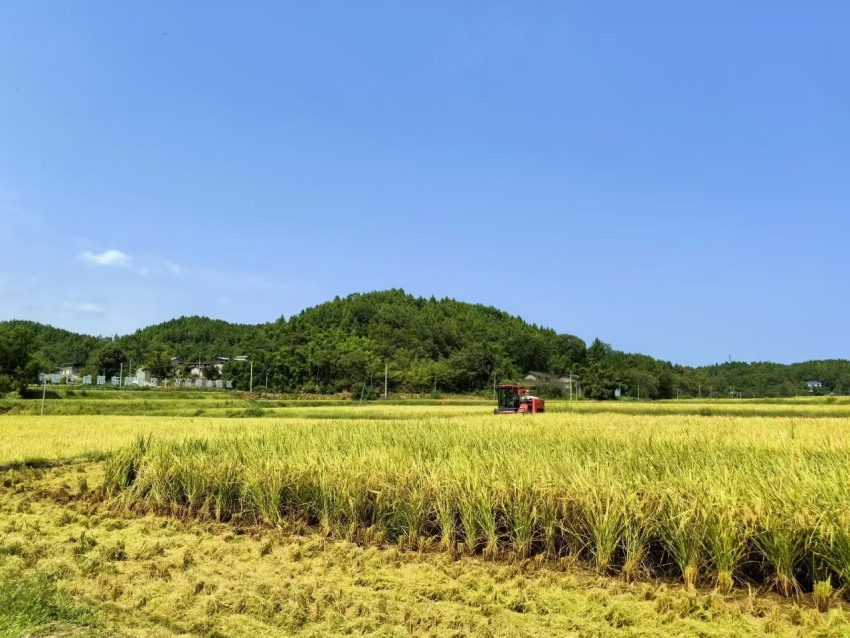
<point x="513" y="399"/>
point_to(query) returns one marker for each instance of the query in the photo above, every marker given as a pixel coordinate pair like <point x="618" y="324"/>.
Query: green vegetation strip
<point x="30" y="604"/>
<point x="712" y="501"/>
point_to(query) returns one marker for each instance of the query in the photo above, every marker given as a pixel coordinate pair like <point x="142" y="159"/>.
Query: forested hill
<point x="50" y="347"/>
<point x="335" y="346"/>
<point x="425" y="343"/>
<point x="460" y="345"/>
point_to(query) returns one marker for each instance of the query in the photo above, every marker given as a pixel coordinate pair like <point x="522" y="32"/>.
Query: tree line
<point x="423" y="345"/>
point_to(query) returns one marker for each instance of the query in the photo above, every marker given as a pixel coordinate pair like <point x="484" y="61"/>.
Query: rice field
<point x="219" y="404"/>
<point x="712" y="501"/>
<point x="591" y="518"/>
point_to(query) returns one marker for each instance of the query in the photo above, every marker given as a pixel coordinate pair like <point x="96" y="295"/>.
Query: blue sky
<point x="671" y="177"/>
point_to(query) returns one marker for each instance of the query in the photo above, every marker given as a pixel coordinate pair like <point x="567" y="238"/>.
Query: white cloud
<point x="173" y="267"/>
<point x="86" y="306"/>
<point x="109" y="257"/>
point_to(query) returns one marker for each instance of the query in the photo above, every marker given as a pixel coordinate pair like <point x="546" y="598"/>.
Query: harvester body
<point x="513" y="399"/>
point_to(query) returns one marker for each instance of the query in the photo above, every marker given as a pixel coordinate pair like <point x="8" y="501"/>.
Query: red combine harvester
<point x="516" y="400"/>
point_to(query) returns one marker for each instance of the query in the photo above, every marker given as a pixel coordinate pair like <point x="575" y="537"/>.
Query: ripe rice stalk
<point x="593" y="489"/>
<point x="411" y="511"/>
<point x="485" y="510"/>
<point x="226" y="491"/>
<point x="781" y="543"/>
<point x="469" y="519"/>
<point x="122" y="467"/>
<point x="446" y="518"/>
<point x="264" y="493"/>
<point x="604" y="518"/>
<point x="191" y="479"/>
<point x="327" y="506"/>
<point x="637" y="529"/>
<point x="726" y="542"/>
<point x="833" y="545"/>
<point x="522" y="518"/>
<point x="550" y="520"/>
<point x="572" y="527"/>
<point x="681" y="526"/>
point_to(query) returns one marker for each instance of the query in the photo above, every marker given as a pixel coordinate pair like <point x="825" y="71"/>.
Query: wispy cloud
<point x="174" y="268"/>
<point x="109" y="257"/>
<point x="87" y="307"/>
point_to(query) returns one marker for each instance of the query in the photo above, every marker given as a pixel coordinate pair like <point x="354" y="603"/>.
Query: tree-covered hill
<point x="456" y="346"/>
<point x="347" y="343"/>
<point x="338" y="345"/>
<point x="55" y="346"/>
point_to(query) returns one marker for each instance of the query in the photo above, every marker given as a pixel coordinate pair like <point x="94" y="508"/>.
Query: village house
<point x="70" y="372"/>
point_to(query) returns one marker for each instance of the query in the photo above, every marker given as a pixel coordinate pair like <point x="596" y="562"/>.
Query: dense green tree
<point x="210" y="372"/>
<point x="110" y="359"/>
<point x="599" y="381"/>
<point x="640" y="384"/>
<point x="18" y="365"/>
<point x="598" y="352"/>
<point x="157" y="361"/>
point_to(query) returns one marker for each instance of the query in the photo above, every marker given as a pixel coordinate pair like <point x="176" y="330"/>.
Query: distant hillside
<point x="56" y="346"/>
<point x="461" y="346"/>
<point x="449" y="345"/>
<point x="192" y="338"/>
<point x="339" y="345"/>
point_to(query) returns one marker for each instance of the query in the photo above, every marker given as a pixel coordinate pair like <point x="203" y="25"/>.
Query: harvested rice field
<point x="430" y="520"/>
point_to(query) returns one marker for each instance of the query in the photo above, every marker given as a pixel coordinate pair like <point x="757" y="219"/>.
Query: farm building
<point x="70" y="371"/>
<point x="542" y="377"/>
<point x="196" y="369"/>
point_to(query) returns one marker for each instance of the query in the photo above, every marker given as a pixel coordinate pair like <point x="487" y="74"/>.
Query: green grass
<point x="31" y="604"/>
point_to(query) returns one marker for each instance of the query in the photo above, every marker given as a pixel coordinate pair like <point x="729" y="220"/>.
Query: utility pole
<point x="571" y="385"/>
<point x="386" y="371"/>
<point x="251" y="382"/>
<point x="121" y="376"/>
<point x="43" y="394"/>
